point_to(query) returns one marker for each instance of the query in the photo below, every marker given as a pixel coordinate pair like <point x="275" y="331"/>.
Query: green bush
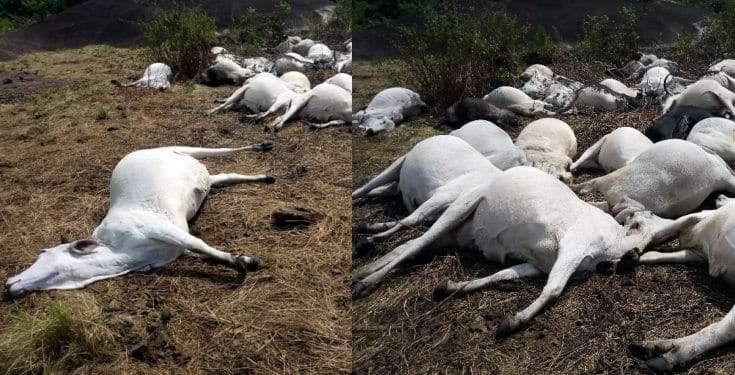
<point x="15" y="13"/>
<point x="337" y="29"/>
<point x="609" y="41"/>
<point x="255" y="30"/>
<point x="181" y="37"/>
<point x="715" y="43"/>
<point x="457" y="52"/>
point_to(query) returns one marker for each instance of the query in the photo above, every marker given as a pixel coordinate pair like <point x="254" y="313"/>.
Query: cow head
<point x="70" y="266"/>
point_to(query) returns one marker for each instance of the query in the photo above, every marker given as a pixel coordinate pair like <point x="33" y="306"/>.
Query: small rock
<point x="7" y="81"/>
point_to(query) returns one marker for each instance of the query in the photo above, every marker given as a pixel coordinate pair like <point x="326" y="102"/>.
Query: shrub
<point x="453" y="53"/>
<point x="609" y="41"/>
<point x="15" y="13"/>
<point x="181" y="37"/>
<point x="65" y="335"/>
<point x="257" y="31"/>
<point x="337" y="29"/>
<point x="716" y="42"/>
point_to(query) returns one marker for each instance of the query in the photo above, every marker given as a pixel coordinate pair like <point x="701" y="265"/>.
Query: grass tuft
<point x="64" y="335"/>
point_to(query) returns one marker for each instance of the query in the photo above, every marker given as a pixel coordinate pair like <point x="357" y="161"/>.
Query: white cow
<point x="258" y="95"/>
<point x="537" y="86"/>
<point x="327" y="103"/>
<point x="619" y="87"/>
<point x="614" y="150"/>
<point x="525" y="215"/>
<point x="600" y="98"/>
<point x="549" y="145"/>
<point x="723" y="79"/>
<point x="153" y="195"/>
<point x="303" y="46"/>
<point x="429" y="178"/>
<point x="492" y="142"/>
<point x="717" y="136"/>
<point x="705" y="94"/>
<point x="726" y="66"/>
<point x="537" y="69"/>
<point x="156" y="76"/>
<point x="296" y="81"/>
<point x="515" y="100"/>
<point x="225" y="71"/>
<point x="388" y="108"/>
<point x="671" y="178"/>
<point x="342" y="80"/>
<point x="706" y="238"/>
<point x="292" y="62"/>
<point x="321" y="54"/>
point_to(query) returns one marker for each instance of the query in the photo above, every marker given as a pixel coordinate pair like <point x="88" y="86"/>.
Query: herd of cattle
<point x="276" y="85"/>
<point x="155" y="192"/>
<point x="516" y="202"/>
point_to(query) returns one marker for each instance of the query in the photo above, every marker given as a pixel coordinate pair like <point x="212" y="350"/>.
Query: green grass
<point x="64" y="334"/>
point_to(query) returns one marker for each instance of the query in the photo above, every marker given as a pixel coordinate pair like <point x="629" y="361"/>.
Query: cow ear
<point x="83" y="247"/>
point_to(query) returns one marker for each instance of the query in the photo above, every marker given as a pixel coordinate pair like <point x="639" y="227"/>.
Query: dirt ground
<point x="399" y="329"/>
<point x="61" y="134"/>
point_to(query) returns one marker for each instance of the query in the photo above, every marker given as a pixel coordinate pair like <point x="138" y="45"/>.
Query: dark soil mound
<point x="660" y="21"/>
<point x="117" y="23"/>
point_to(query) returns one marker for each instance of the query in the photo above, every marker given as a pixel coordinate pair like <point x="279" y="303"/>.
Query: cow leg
<point x="670" y="354"/>
<point x="589" y="157"/>
<point x="227" y="179"/>
<point x="171" y="234"/>
<point x="387" y="190"/>
<point x="282" y="101"/>
<point x="328" y="124"/>
<point x="298" y="102"/>
<point x="566" y="264"/>
<point x="676" y="257"/>
<point x="457" y="213"/>
<point x="585" y="187"/>
<point x="723" y="200"/>
<point x="448" y="288"/>
<point x="388" y="176"/>
<point x="426" y="211"/>
<point x="231" y="101"/>
<point x="376" y="227"/>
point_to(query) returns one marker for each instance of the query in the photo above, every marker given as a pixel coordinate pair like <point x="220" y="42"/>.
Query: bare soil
<point x="62" y="133"/>
<point x="399" y="329"/>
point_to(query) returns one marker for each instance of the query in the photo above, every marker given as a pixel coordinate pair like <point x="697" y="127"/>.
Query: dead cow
<point x="153" y="194"/>
<point x="470" y="109"/>
<point x="670" y="178"/>
<point x="705" y="238"/>
<point x="156" y="76"/>
<point x="525" y="215"/>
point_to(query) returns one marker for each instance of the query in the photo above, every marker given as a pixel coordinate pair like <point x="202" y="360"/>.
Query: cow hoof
<point x="370" y="132"/>
<point x="266" y="146"/>
<point x="313" y="127"/>
<point x="247" y="264"/>
<point x="269" y="179"/>
<point x="360" y="290"/>
<point x="641" y="350"/>
<point x="364" y="246"/>
<point x="508" y="326"/>
<point x="441" y="292"/>
<point x="363" y="228"/>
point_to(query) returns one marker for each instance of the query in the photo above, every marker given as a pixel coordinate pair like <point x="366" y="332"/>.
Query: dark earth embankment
<point x="117" y="23"/>
<point x="660" y="21"/>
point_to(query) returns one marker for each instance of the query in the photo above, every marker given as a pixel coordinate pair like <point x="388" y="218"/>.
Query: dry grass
<point x="399" y="329"/>
<point x="56" y="158"/>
